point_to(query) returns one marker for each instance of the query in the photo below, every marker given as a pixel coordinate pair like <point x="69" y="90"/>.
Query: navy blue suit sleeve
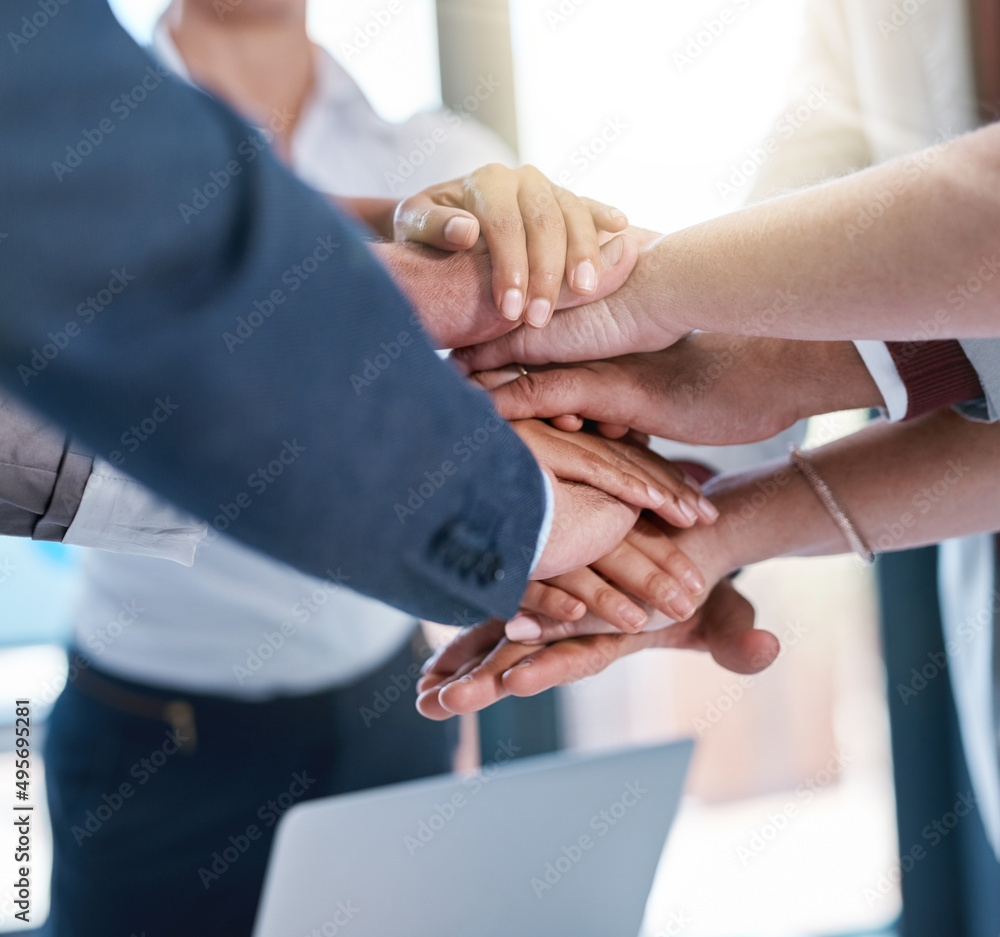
<point x="212" y="326"/>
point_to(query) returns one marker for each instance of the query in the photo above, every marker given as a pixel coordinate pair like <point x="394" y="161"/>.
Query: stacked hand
<point x="482" y="666"/>
<point x="599" y="486"/>
<point x="608" y="581"/>
<point x="646" y="349"/>
<point x="480" y="255"/>
<point x="536" y="233"/>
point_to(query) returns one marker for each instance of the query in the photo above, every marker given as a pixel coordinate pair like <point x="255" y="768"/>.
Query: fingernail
<point x="617" y="214"/>
<point x="512" y="305"/>
<point x="612" y="252"/>
<point x="693" y="483"/>
<point x="708" y="509"/>
<point x="683" y="606"/>
<point x="633" y="615"/>
<point x="657" y="497"/>
<point x="575" y="608"/>
<point x="687" y="512"/>
<point x="459" y="230"/>
<point x="693" y="582"/>
<point x="538" y="312"/>
<point x="585" y="277"/>
<point x="521" y="629"/>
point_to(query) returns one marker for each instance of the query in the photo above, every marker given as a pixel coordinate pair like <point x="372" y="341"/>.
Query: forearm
<point x="903" y="486"/>
<point x="884" y="254"/>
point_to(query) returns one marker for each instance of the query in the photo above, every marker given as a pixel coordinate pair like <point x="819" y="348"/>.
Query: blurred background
<point x="789" y="824"/>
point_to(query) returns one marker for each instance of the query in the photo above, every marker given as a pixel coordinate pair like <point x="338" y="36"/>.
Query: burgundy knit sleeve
<point x="936" y="375"/>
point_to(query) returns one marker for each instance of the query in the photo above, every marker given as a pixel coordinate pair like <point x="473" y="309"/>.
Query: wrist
<point x="767" y="512"/>
<point x="754" y="507"/>
<point x="710" y="549"/>
<point x="834" y="378"/>
<point x="653" y="295"/>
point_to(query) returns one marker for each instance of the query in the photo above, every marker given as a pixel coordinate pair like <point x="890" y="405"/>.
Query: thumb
<point x="420" y="220"/>
<point x="618" y="259"/>
<point x="729" y="633"/>
<point x="573" y="334"/>
<point x="545" y="394"/>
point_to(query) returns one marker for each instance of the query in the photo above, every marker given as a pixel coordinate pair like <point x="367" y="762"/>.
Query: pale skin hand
<point x="928" y="266"/>
<point x="904" y="486"/>
<point x="708" y="389"/>
<point x="537" y="234"/>
<point x="452" y="292"/>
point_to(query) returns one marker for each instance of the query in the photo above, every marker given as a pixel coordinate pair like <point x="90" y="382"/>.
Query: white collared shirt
<point x="237" y="623"/>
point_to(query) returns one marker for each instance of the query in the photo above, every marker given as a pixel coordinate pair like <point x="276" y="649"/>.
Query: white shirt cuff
<point x="118" y="514"/>
<point x="883" y="371"/>
<point x="547" y="519"/>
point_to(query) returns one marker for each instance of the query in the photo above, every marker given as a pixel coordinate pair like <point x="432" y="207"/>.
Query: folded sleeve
<point x="120" y="515"/>
<point x="43" y="475"/>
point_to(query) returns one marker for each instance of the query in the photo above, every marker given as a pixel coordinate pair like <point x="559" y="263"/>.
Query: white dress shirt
<point x="236" y="623"/>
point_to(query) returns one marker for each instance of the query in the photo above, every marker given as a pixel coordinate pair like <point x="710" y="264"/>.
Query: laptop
<point x="556" y="845"/>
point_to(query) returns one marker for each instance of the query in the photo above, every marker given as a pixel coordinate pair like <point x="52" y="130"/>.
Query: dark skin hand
<point x="707" y="389"/>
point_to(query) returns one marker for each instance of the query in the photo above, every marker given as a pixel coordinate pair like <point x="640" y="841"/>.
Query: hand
<point x="624" y="322"/>
<point x="704" y="556"/>
<point x="707" y="389"/>
<point x="481" y="666"/>
<point x="536" y="233"/>
<point x="645" y="576"/>
<point x="452" y="292"/>
<point x="586" y="524"/>
<point x="624" y="469"/>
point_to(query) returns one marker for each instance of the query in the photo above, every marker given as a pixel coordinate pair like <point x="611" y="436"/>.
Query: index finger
<point x="471" y="642"/>
<point x="492" y="196"/>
